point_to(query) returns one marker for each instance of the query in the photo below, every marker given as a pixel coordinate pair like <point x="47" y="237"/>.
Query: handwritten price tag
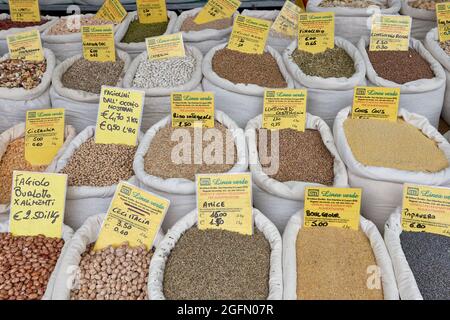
<point x="332" y="207"/>
<point x="134" y="216"/>
<point x="98" y="43"/>
<point x="24" y="10"/>
<point x="112" y="10"/>
<point x="165" y="47"/>
<point x="249" y="35"/>
<point x="390" y="33"/>
<point x="224" y="201"/>
<point x="284" y="109"/>
<point x="26" y="46"/>
<point x="217" y="9"/>
<point x="190" y="108"/>
<point x="316" y="31"/>
<point x="37" y="204"/>
<point x="443" y="21"/>
<point x="426" y="209"/>
<point x="151" y="11"/>
<point x="376" y="103"/>
<point x="287" y="20"/>
<point x="119" y="116"/>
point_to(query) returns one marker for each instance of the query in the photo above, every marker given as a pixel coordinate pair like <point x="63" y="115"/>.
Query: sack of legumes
<point x="29" y="264"/>
<point x="64" y="36"/>
<point x="12" y="157"/>
<point x="423" y="14"/>
<point x="113" y="273"/>
<point x="284" y="162"/>
<point x="419" y="76"/>
<point x="246" y="267"/>
<point x="167" y="160"/>
<point x="77" y="83"/>
<point x="94" y="170"/>
<point x="239" y="79"/>
<point x="9" y="27"/>
<point x="131" y="36"/>
<point x="329" y="76"/>
<point x="24" y="85"/>
<point x="352" y="17"/>
<point x="441" y="52"/>
<point x="330" y="263"/>
<point x="382" y="155"/>
<point x="420" y="259"/>
<point x="203" y="36"/>
<point x="159" y="78"/>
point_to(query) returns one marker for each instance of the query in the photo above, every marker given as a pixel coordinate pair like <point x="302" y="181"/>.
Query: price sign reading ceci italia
<point x="151" y="11"/>
<point x="443" y="21"/>
<point x="376" y="103"/>
<point x="112" y="10"/>
<point x="165" y="47"/>
<point x="316" y="31"/>
<point x="192" y="108"/>
<point x="426" y="209"/>
<point x="98" y="43"/>
<point x="217" y="9"/>
<point x="332" y="207"/>
<point x="285" y="109"/>
<point x="26" y="46"/>
<point x="44" y="135"/>
<point x="134" y="216"/>
<point x="287" y="20"/>
<point x="119" y="116"/>
<point x="224" y="201"/>
<point x="24" y="10"/>
<point x="249" y="35"/>
<point x="37" y="204"/>
<point x="390" y="33"/>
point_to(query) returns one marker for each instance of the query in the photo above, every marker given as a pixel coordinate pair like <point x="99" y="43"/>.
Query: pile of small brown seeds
<point x="159" y="162"/>
<point x="7" y="24"/>
<point x="397" y="145"/>
<point x="17" y="73"/>
<point x="239" y="67"/>
<point x="302" y="156"/>
<point x="113" y="274"/>
<point x="334" y="263"/>
<point x="90" y="76"/>
<point x="425" y="4"/>
<point x="13" y="159"/>
<point x="26" y="264"/>
<point x="218" y="265"/>
<point x="190" y="25"/>
<point x="400" y="66"/>
<point x="100" y="165"/>
<point x="351" y="3"/>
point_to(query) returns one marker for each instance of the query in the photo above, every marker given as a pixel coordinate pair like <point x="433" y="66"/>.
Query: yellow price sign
<point x="390" y="33"/>
<point x="287" y="20"/>
<point x="44" y="135"/>
<point x="26" y="46"/>
<point x="24" y="10"/>
<point x="376" y="103"/>
<point x="426" y="209"/>
<point x="112" y="10"/>
<point x="37" y="204"/>
<point x="285" y="109"/>
<point x="249" y="35"/>
<point x="217" y="9"/>
<point x="332" y="207"/>
<point x="119" y="116"/>
<point x="443" y="20"/>
<point x="134" y="216"/>
<point x="300" y="4"/>
<point x="165" y="47"/>
<point x="190" y="108"/>
<point x="98" y="43"/>
<point x="151" y="11"/>
<point x="316" y="31"/>
<point x="224" y="201"/>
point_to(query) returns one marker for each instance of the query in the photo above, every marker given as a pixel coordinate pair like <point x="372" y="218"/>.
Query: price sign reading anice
<point x="44" y="135"/>
<point x="376" y="103"/>
<point x="134" y="216"/>
<point x="224" y="201"/>
<point x="26" y="46"/>
<point x="316" y="31"/>
<point x="112" y="10"/>
<point x="37" y="204"/>
<point x="390" y="33"/>
<point x="426" y="209"/>
<point x="287" y="20"/>
<point x="332" y="207"/>
<point x="24" y="10"/>
<point x="443" y="21"/>
<point x="151" y="11"/>
<point x="217" y="9"/>
<point x="98" y="43"/>
<point x="192" y="108"/>
<point x="119" y="116"/>
<point x="249" y="35"/>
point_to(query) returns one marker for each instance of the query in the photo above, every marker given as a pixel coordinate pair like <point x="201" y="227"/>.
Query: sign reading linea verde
<point x="376" y="103"/>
